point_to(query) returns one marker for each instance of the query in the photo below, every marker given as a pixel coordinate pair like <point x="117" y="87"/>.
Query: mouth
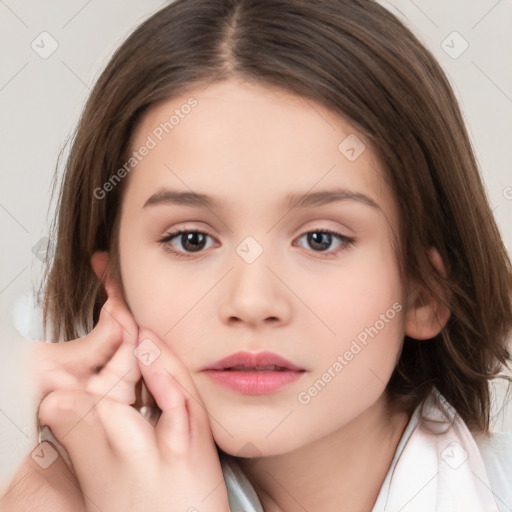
<point x="249" y="361"/>
<point x="241" y="368"/>
<point x="254" y="374"/>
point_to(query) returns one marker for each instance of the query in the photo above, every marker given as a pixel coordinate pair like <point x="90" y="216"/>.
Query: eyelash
<point x="345" y="242"/>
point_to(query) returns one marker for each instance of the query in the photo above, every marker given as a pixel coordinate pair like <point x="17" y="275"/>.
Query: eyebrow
<point x="296" y="200"/>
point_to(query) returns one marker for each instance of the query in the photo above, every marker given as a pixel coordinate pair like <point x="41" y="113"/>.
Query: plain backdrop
<point x="52" y="52"/>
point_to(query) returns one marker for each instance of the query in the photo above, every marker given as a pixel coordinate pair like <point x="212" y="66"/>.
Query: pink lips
<point x="250" y="360"/>
<point x="253" y="374"/>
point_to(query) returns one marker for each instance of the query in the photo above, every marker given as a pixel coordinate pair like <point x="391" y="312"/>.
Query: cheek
<point x="363" y="301"/>
<point x="353" y="366"/>
<point x="149" y="287"/>
<point x="163" y="297"/>
<point x="352" y="341"/>
<point x="375" y="320"/>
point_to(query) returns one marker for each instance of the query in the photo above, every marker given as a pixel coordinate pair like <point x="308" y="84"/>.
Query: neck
<point x="342" y="471"/>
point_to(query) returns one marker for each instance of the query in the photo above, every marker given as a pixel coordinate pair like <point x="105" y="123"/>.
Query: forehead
<point x="245" y="143"/>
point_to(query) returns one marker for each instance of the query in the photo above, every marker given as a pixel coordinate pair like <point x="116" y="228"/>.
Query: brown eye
<point x="192" y="241"/>
<point x="183" y="242"/>
<point x="321" y="240"/>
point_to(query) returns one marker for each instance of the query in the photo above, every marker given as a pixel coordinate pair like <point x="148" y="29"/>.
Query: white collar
<point x="437" y="465"/>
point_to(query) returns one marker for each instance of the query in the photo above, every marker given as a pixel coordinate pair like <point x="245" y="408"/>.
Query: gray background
<point x="41" y="99"/>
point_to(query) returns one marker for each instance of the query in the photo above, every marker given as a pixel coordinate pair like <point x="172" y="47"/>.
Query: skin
<point x="250" y="146"/>
<point x="167" y="464"/>
<point x="92" y="364"/>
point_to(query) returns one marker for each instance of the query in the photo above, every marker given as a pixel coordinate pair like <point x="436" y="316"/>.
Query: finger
<point x="127" y="431"/>
<point x="96" y="433"/>
<point x="172" y="429"/>
<point x="86" y="356"/>
<point x="152" y="349"/>
<point x="105" y="356"/>
<point x="73" y="420"/>
<point x="116" y="381"/>
<point x="120" y="372"/>
<point x="115" y="326"/>
<point x="170" y="382"/>
<point x="115" y="311"/>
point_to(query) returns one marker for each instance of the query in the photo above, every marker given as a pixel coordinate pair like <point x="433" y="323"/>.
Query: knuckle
<point x="55" y="402"/>
<point x="60" y="404"/>
<point x="123" y="394"/>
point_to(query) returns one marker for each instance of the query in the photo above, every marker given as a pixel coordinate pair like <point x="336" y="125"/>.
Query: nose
<point x="255" y="293"/>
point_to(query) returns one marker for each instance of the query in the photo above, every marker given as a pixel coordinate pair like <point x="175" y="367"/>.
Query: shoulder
<point x="496" y="451"/>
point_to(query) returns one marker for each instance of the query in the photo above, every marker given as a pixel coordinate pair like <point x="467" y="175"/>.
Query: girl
<point x="301" y="266"/>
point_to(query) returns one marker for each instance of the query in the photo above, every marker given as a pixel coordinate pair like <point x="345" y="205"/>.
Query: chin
<point x="253" y="447"/>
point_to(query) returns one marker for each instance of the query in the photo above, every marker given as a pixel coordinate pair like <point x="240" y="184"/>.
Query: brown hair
<point x="360" y="61"/>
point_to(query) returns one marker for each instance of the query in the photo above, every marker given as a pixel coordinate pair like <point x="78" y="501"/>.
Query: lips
<point x="248" y="361"/>
<point x="254" y="374"/>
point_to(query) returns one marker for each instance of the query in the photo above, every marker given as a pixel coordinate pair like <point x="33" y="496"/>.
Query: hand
<point x="99" y="363"/>
<point x="122" y="462"/>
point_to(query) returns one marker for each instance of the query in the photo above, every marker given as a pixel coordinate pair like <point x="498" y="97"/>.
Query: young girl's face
<point x="255" y="280"/>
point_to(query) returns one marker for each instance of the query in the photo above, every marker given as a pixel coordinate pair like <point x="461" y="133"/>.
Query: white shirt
<point x="422" y="477"/>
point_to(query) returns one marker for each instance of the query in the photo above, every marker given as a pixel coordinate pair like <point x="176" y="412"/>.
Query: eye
<point x="191" y="241"/>
<point x="322" y="239"/>
<point x="194" y="241"/>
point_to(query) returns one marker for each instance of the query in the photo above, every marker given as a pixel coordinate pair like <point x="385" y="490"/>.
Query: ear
<point x="426" y="315"/>
<point x="99" y="261"/>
